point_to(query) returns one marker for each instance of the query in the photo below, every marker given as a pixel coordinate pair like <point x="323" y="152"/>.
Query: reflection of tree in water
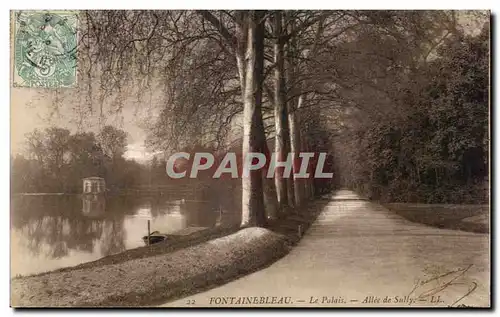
<point x="54" y="226"/>
<point x="55" y="236"/>
<point x="214" y="203"/>
<point x="113" y="236"/>
<point x="159" y="205"/>
<point x="198" y="214"/>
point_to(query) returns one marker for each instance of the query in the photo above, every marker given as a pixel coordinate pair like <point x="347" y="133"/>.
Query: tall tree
<point x="113" y="141"/>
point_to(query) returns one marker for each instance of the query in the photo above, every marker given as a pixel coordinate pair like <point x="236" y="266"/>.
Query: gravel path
<point x="359" y="254"/>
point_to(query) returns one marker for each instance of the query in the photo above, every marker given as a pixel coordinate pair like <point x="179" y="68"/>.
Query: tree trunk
<point x="290" y="72"/>
<point x="253" y="212"/>
<point x="309" y="183"/>
<point x="295" y="187"/>
<point x="295" y="148"/>
<point x="270" y="198"/>
<point x="304" y="188"/>
<point x="280" y="111"/>
<point x="260" y="136"/>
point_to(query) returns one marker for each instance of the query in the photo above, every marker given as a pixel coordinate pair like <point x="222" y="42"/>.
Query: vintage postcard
<point x="258" y="158"/>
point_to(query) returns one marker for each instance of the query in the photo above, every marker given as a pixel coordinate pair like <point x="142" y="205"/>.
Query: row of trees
<point x="57" y="161"/>
<point x="215" y="69"/>
<point x="283" y="81"/>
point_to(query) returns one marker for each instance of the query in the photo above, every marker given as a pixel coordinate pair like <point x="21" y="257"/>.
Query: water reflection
<point x="93" y="205"/>
<point x="48" y="232"/>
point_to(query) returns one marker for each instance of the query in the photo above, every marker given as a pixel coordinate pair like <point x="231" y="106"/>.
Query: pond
<point x="54" y="231"/>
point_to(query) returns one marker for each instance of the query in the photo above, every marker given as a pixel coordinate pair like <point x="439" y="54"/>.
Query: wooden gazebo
<point x="94" y="185"/>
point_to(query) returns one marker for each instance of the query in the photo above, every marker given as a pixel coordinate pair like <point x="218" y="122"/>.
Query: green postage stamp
<point x="45" y="49"/>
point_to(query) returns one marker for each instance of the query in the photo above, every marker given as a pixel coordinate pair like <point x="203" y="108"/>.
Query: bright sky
<point x="30" y="109"/>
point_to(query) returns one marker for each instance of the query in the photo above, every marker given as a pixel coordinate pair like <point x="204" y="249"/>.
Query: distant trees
<point x="112" y="141"/>
<point x="57" y="161"/>
<point x="432" y="145"/>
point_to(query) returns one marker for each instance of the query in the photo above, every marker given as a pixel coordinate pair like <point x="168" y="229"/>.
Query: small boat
<point x="154" y="237"/>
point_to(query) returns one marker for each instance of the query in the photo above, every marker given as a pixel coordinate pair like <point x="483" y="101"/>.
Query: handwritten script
<point x="438" y="281"/>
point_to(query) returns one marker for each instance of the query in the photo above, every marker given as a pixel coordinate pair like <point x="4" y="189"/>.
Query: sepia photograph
<point x="250" y="158"/>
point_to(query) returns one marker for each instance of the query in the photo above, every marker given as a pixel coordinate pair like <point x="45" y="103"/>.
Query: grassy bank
<point x="147" y="280"/>
<point x="172" y="244"/>
<point x="471" y="218"/>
